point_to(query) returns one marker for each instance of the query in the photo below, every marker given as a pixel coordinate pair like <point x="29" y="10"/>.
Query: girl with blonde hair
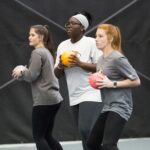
<point x="119" y="78"/>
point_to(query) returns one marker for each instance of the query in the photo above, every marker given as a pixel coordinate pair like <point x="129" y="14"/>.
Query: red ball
<point x="93" y="79"/>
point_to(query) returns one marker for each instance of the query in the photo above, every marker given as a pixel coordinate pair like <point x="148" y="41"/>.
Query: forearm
<point x="30" y="75"/>
<point x="27" y="76"/>
<point x="128" y="83"/>
<point x="87" y="66"/>
<point x="59" y="71"/>
<point x="107" y="83"/>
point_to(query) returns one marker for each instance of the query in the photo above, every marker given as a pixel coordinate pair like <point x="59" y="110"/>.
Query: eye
<point x="72" y="23"/>
<point x="100" y="35"/>
<point x="32" y="34"/>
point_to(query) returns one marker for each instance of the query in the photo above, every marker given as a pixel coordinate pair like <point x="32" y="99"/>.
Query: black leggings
<point x="85" y="115"/>
<point x="106" y="132"/>
<point x="42" y="124"/>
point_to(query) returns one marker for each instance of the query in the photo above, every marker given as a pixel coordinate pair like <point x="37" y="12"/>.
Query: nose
<point x="96" y="39"/>
<point x="68" y="26"/>
<point x="29" y="38"/>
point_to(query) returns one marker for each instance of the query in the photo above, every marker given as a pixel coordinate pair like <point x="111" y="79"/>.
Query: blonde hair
<point x="113" y="32"/>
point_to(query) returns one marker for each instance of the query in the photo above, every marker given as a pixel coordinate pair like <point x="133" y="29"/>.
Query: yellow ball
<point x="65" y="57"/>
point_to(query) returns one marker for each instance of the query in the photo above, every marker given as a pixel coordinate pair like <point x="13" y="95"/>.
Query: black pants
<point x="106" y="132"/>
<point x="42" y="123"/>
<point x="85" y="115"/>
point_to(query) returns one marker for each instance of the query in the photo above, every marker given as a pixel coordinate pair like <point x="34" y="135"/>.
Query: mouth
<point x="69" y="30"/>
<point x="30" y="42"/>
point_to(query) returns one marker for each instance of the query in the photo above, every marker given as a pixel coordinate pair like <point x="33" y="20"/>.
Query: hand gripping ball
<point x="65" y="57"/>
<point x="94" y="77"/>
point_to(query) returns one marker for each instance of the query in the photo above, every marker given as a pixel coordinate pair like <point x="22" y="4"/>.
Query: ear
<point x="82" y="28"/>
<point x="41" y="37"/>
<point x="110" y="38"/>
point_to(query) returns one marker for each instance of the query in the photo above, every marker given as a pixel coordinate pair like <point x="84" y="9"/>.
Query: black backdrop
<point x="16" y="17"/>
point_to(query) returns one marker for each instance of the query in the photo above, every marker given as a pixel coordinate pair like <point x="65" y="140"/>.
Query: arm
<point x="94" y="55"/>
<point x="59" y="70"/>
<point x="34" y="70"/>
<point x="125" y="70"/>
<point x="107" y="83"/>
<point x="128" y="83"/>
<point x="29" y="74"/>
<point x="87" y="66"/>
<point x="76" y="62"/>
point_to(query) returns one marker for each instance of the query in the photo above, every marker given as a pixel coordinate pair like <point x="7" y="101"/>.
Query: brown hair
<point x="113" y="32"/>
<point x="47" y="37"/>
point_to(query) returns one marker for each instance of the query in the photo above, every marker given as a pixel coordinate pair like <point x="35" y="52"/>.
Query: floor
<point x="124" y="144"/>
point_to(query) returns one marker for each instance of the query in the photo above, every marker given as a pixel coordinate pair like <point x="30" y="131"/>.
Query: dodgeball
<point x="93" y="79"/>
<point x="65" y="57"/>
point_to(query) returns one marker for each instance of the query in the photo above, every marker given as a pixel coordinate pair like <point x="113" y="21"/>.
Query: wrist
<point x="80" y="64"/>
<point x="60" y="67"/>
<point x="115" y="84"/>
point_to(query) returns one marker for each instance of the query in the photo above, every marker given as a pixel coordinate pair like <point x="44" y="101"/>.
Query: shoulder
<point x="117" y="54"/>
<point x="101" y="58"/>
<point x="64" y="43"/>
<point x="40" y="51"/>
<point x="63" y="46"/>
<point x="119" y="58"/>
<point x="89" y="39"/>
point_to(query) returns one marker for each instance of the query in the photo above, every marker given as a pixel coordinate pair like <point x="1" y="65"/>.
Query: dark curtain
<point x="16" y="17"/>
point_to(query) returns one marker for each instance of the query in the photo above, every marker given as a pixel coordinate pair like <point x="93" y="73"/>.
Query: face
<point x="101" y="39"/>
<point x="74" y="27"/>
<point x="34" y="38"/>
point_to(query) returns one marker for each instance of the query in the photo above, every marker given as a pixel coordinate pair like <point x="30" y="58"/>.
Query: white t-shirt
<point x="77" y="78"/>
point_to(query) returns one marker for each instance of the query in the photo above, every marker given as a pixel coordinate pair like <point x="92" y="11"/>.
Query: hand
<point x="60" y="65"/>
<point x="104" y="83"/>
<point x="74" y="61"/>
<point x="18" y="71"/>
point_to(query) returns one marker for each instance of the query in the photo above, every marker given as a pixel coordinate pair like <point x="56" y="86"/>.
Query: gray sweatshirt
<point x="44" y="84"/>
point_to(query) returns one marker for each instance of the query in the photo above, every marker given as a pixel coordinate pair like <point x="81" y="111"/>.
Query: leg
<point x="41" y="116"/>
<point x="113" y="129"/>
<point x="39" y="126"/>
<point x="75" y="113"/>
<point x="53" y="143"/>
<point x="88" y="114"/>
<point x="96" y="136"/>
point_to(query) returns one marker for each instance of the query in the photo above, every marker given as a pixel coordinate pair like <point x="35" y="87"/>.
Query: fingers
<point x="73" y="57"/>
<point x="104" y="83"/>
<point x="73" y="60"/>
<point x="101" y="83"/>
<point x="18" y="71"/>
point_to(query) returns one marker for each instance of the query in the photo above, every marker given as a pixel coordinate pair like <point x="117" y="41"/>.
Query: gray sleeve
<point x="125" y="68"/>
<point x="34" y="69"/>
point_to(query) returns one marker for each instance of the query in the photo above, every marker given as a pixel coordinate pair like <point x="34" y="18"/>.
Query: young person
<point x="84" y="100"/>
<point x="45" y="87"/>
<point x="119" y="78"/>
